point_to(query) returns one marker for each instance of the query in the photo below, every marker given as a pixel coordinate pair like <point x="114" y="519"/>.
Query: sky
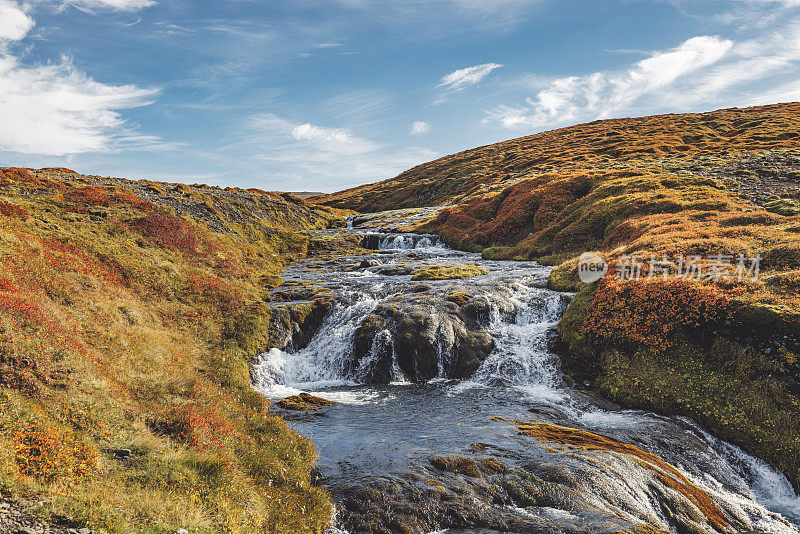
<point x="321" y="95"/>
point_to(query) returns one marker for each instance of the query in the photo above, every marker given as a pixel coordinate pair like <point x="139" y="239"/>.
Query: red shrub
<point x="175" y="234"/>
<point x="651" y="312"/>
<point x="215" y="291"/>
<point x="10" y="210"/>
<point x="96" y="196"/>
<point x="49" y="455"/>
<point x="24" y="177"/>
<point x="199" y="427"/>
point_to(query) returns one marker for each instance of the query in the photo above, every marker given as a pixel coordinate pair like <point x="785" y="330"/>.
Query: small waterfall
<point x="382" y="241"/>
<point x="521" y="356"/>
<point x="324" y="361"/>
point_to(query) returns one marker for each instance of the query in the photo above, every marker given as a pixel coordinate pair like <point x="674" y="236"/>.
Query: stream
<point x="419" y="369"/>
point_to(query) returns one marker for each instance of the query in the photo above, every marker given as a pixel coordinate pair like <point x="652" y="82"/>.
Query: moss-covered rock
<point x="448" y="272"/>
<point x="304" y="402"/>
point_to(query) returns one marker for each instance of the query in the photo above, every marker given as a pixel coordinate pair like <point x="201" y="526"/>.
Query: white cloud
<point x="118" y="5"/>
<point x="332" y="140"/>
<point x="461" y="78"/>
<point x="321" y="157"/>
<point x="603" y="94"/>
<point x="55" y="109"/>
<point x="420" y="127"/>
<point x="14" y="22"/>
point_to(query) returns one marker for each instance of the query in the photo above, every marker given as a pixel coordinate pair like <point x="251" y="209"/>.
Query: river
<point x="415" y="446"/>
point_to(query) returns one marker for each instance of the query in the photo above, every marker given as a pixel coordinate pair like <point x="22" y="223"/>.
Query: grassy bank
<point x="126" y="328"/>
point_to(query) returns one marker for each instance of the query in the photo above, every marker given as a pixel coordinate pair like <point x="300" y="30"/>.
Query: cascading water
<point x="384" y="436"/>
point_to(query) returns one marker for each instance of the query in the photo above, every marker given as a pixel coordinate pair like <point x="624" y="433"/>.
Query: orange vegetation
<point x="642" y="140"/>
<point x="651" y="312"/>
<point x="45" y="453"/>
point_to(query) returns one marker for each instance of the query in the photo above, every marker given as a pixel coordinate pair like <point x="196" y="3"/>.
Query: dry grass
<point x="115" y="334"/>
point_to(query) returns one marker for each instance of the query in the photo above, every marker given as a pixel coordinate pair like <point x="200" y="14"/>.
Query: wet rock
<point x="394" y="270"/>
<point x="304" y="402"/>
<point x="292" y="325"/>
<point x="424" y="336"/>
<point x="468" y="466"/>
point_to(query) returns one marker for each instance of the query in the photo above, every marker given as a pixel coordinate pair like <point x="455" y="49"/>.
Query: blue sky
<point x="323" y="95"/>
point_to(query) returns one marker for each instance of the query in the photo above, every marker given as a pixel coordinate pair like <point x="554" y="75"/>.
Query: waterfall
<point x="518" y="374"/>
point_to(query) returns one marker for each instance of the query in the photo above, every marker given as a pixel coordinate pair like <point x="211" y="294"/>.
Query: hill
<point x="598" y="144"/>
<point x="682" y="208"/>
<point x="129" y="311"/>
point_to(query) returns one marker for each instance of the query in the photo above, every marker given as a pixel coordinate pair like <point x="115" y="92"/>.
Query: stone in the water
<point x="424" y="336"/>
<point x="304" y="402"/>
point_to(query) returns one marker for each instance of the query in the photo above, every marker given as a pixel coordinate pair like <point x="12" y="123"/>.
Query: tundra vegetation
<point x="126" y="329"/>
<point x="722" y="349"/>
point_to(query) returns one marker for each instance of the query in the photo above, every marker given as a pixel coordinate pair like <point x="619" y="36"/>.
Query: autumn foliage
<point x="652" y="312"/>
<point x="10" y="210"/>
<point x="116" y="335"/>
<point x="47" y="454"/>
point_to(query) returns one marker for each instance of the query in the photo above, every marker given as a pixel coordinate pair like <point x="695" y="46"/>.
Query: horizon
<point x="322" y="97"/>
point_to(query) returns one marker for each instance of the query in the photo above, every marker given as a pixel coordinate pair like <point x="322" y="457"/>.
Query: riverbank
<point x="129" y="312"/>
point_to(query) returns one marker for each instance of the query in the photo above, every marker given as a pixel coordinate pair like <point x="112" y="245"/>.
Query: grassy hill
<point x="128" y="315"/>
<point x="596" y="145"/>
<point x="720" y="186"/>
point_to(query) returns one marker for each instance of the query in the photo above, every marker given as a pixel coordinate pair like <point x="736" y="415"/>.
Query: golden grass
<point x="116" y="333"/>
<point x="448" y="272"/>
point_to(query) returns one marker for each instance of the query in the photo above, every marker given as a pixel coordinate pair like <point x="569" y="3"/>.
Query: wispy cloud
<point x="461" y="78"/>
<point x="420" y="127"/>
<point x="322" y="157"/>
<point x="55" y="108"/>
<point x="117" y="5"/>
<point x="603" y="94"/>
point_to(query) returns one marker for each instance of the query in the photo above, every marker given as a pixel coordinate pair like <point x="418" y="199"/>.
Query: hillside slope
<point x="598" y="144"/>
<point x="717" y="191"/>
<point x="129" y="312"/>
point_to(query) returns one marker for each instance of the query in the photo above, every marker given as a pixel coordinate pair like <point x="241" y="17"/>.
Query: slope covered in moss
<point x="128" y="314"/>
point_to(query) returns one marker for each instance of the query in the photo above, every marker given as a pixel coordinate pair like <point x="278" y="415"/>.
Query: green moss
<point x="497" y="253"/>
<point x="784" y="206"/>
<point x="564" y="277"/>
<point x="441" y="272"/>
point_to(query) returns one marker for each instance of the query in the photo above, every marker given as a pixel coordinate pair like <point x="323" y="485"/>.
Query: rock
<point x="85" y="530"/>
<point x="424" y="335"/>
<point x="181" y="531"/>
<point x="26" y="530"/>
<point x="304" y="402"/>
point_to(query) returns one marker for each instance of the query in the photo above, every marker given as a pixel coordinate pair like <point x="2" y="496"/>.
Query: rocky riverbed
<point x="451" y="412"/>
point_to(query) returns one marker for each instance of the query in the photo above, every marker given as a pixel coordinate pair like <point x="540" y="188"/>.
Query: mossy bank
<point x="129" y="312"/>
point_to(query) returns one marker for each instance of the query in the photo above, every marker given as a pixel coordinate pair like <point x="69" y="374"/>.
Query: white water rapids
<point x="382" y="429"/>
